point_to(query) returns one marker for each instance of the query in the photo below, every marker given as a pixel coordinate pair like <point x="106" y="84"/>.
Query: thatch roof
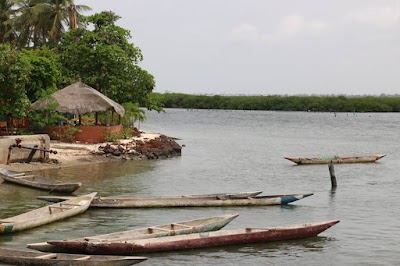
<point x="79" y="98"/>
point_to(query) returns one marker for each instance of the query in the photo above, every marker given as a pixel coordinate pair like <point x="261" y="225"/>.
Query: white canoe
<point x="47" y="214"/>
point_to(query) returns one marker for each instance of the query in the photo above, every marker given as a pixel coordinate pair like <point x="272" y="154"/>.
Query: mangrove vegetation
<point x="339" y="103"/>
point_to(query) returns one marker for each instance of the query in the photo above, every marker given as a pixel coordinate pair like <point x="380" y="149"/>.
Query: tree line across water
<point x="282" y="103"/>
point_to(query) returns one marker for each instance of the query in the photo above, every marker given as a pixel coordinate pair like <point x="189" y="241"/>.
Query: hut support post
<point x="107" y="118"/>
<point x="333" y="177"/>
<point x="96" y="115"/>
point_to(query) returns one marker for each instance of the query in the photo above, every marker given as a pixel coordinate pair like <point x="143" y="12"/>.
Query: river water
<point x="232" y="151"/>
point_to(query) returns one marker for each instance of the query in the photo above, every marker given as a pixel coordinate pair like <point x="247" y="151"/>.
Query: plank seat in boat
<point x="84" y="258"/>
<point x="151" y="229"/>
<point x="24" y="176"/>
<point x="17" y="174"/>
<point x="47" y="256"/>
<point x="182" y="225"/>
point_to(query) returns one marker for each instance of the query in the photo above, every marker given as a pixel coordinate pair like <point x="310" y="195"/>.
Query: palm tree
<point x="41" y="22"/>
<point x="133" y="113"/>
<point x="6" y="11"/>
<point x="55" y="14"/>
<point x="25" y="24"/>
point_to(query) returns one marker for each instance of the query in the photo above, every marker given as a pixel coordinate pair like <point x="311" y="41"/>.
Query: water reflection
<point x="333" y="193"/>
<point x="108" y="179"/>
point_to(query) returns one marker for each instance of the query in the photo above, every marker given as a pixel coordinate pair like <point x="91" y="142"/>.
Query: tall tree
<point x="6" y="12"/>
<point x="26" y="25"/>
<point x="45" y="73"/>
<point x="42" y="22"/>
<point x="104" y="59"/>
<point x="55" y="14"/>
<point x="14" y="71"/>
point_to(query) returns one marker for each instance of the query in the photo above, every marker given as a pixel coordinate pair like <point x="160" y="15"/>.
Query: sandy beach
<point x="72" y="154"/>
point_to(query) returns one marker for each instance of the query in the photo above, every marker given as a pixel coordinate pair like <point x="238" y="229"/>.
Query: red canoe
<point x="207" y="239"/>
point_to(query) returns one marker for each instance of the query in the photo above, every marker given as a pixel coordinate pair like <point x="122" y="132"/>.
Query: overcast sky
<point x="265" y="47"/>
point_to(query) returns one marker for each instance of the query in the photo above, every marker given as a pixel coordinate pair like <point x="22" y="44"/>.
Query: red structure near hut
<point x="79" y="99"/>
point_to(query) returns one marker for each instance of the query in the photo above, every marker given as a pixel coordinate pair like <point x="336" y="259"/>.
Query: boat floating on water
<point x="205" y="239"/>
<point x="47" y="214"/>
<point x="80" y="245"/>
<point x="181" y="201"/>
<point x="21" y="257"/>
<point x="39" y="182"/>
<point x="336" y="159"/>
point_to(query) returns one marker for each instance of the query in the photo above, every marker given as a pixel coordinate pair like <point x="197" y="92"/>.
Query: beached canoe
<point x="207" y="239"/>
<point x="80" y="245"/>
<point x="161" y="202"/>
<point x="47" y="214"/>
<point x="21" y="257"/>
<point x="38" y="182"/>
<point x="336" y="159"/>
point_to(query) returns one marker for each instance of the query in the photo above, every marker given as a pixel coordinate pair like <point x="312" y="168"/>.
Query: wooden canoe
<point x="336" y="159"/>
<point x="21" y="257"/>
<point x="38" y="182"/>
<point x="237" y="195"/>
<point x="207" y="239"/>
<point x="47" y="214"/>
<point x="161" y="202"/>
<point x="80" y="245"/>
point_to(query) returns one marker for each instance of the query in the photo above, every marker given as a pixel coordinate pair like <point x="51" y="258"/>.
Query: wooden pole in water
<point x="332" y="173"/>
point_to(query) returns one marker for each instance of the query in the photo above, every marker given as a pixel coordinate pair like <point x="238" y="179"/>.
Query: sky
<point x="265" y="47"/>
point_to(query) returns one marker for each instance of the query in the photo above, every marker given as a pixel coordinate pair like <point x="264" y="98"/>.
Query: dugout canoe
<point x="336" y="159"/>
<point x="39" y="182"/>
<point x="21" y="257"/>
<point x="163" y="202"/>
<point x="47" y="214"/>
<point x="237" y="195"/>
<point x="208" y="239"/>
<point x="80" y="245"/>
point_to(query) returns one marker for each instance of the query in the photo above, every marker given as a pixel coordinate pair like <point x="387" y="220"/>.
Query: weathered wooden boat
<point x="79" y="245"/>
<point x="47" y="214"/>
<point x="21" y="257"/>
<point x="160" y="202"/>
<point x="237" y="195"/>
<point x="336" y="159"/>
<point x="207" y="239"/>
<point x="38" y="182"/>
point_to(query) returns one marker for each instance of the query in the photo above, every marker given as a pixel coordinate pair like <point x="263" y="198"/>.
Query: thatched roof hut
<point x="78" y="99"/>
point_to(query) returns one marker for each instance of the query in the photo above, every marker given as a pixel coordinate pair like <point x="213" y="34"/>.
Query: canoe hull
<point x="47" y="214"/>
<point x="210" y="239"/>
<point x="336" y="160"/>
<point x="156" y="203"/>
<point x="38" y="182"/>
<point x="81" y="245"/>
<point x="20" y="257"/>
<point x="163" y="202"/>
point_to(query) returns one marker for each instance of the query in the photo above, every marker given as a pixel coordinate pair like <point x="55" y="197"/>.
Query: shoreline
<point x="77" y="154"/>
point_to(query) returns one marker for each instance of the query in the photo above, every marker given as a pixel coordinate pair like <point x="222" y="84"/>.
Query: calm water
<point x="230" y="151"/>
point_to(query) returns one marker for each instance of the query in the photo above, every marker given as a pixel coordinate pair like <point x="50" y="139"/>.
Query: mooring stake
<point x="333" y="177"/>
